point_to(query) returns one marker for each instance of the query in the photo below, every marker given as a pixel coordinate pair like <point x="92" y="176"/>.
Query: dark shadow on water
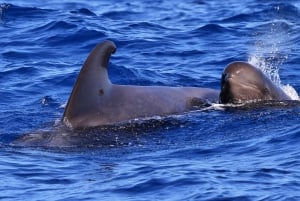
<point x="146" y="131"/>
<point x="133" y="133"/>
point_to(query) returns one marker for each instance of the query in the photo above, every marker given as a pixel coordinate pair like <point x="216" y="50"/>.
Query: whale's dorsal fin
<point x="91" y="84"/>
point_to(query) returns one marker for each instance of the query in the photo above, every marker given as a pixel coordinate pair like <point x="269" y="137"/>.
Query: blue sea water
<point x="236" y="154"/>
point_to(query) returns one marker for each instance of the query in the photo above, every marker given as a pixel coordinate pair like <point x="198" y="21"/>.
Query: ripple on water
<point x="248" y="153"/>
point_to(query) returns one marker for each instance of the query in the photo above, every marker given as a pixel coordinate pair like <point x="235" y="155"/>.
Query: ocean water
<point x="215" y="154"/>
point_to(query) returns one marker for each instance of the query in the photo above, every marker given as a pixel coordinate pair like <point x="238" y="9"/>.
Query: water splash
<point x="270" y="66"/>
<point x="290" y="91"/>
<point x="269" y="53"/>
<point x="271" y="50"/>
<point x="267" y="65"/>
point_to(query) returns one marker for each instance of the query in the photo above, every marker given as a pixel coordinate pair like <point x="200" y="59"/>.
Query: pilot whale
<point x="95" y="101"/>
<point x="242" y="82"/>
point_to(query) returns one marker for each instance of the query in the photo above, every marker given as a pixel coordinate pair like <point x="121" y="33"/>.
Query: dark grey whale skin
<point x="95" y="101"/>
<point x="242" y="82"/>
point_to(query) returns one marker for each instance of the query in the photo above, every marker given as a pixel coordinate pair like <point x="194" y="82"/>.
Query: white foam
<point x="273" y="73"/>
<point x="63" y="106"/>
<point x="67" y="123"/>
<point x="290" y="91"/>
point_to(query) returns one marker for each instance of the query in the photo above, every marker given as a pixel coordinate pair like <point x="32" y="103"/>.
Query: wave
<point x="55" y="26"/>
<point x="79" y="37"/>
<point x="210" y="29"/>
<point x="83" y="11"/>
<point x="268" y="10"/>
<point x="118" y="15"/>
<point x="12" y="12"/>
<point x="12" y="70"/>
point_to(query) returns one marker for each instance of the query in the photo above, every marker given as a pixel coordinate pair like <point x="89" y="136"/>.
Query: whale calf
<point x="242" y="82"/>
<point x="95" y="101"/>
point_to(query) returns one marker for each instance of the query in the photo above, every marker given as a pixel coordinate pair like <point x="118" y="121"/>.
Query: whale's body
<point x="95" y="101"/>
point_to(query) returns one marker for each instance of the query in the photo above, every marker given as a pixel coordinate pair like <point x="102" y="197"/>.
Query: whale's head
<point x="243" y="82"/>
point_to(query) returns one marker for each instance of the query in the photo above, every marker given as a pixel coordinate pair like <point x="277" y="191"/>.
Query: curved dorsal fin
<point x="91" y="82"/>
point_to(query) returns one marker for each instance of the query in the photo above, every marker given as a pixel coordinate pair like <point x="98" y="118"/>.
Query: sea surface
<point x="214" y="154"/>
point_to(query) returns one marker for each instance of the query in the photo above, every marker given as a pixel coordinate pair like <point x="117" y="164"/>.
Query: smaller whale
<point x="241" y="82"/>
